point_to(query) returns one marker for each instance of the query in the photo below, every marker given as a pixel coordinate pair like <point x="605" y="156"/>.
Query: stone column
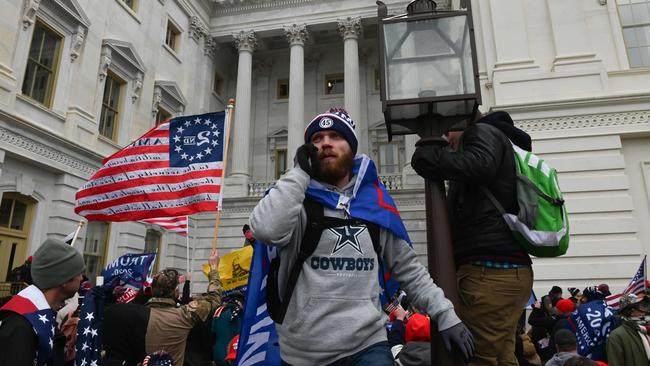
<point x="571" y="36"/>
<point x="245" y="43"/>
<point x="297" y="36"/>
<point x="510" y="34"/>
<point x="350" y="29"/>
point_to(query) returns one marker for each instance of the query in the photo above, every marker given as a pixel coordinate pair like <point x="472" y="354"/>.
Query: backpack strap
<point x="307" y="246"/>
<point x="316" y="223"/>
<point x="494" y="200"/>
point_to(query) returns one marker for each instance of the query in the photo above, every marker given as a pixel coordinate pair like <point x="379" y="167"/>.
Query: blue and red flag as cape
<point x="32" y="305"/>
<point x="370" y="201"/>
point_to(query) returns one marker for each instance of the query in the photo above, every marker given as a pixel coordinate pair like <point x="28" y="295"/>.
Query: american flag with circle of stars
<point x="175" y="169"/>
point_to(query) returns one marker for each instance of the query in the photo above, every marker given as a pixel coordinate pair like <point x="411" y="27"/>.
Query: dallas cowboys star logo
<point x="347" y="235"/>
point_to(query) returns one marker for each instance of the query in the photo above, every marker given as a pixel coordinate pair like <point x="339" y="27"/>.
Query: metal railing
<point x="391" y="181"/>
<point x="11" y="288"/>
<point x="257" y="189"/>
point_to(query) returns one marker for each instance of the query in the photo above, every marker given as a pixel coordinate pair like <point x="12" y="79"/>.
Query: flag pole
<point x="645" y="274"/>
<point x="187" y="241"/>
<point x="230" y="108"/>
<point x="76" y="233"/>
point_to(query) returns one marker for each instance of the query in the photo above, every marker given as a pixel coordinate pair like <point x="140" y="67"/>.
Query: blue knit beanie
<point x="336" y="119"/>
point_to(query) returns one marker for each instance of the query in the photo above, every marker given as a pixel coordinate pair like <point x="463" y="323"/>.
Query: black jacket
<point x="485" y="160"/>
<point x="19" y="343"/>
<point x="124" y="331"/>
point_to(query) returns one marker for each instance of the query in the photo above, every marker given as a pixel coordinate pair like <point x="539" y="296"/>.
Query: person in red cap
<point x="231" y="357"/>
<point x="410" y="338"/>
<point x="563" y="308"/>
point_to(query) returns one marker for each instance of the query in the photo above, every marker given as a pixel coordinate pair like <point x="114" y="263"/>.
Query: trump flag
<point x="175" y="169"/>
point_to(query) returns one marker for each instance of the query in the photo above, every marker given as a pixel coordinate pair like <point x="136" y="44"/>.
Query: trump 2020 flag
<point x="592" y="323"/>
<point x="258" y="340"/>
<point x="132" y="269"/>
<point x="175" y="169"/>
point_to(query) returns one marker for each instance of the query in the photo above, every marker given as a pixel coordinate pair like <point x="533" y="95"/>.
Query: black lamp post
<point x="429" y="81"/>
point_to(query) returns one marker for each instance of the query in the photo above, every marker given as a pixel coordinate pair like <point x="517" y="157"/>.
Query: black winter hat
<point x="503" y="121"/>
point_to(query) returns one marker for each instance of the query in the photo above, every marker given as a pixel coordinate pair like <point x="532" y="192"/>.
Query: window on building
<point x="283" y="89"/>
<point x="334" y="84"/>
<point x="110" y="106"/>
<point x="280" y="162"/>
<point x="13" y="213"/>
<point x="218" y="86"/>
<point x="162" y="116"/>
<point x="131" y="3"/>
<point x="635" y="19"/>
<point x="377" y="79"/>
<point x="173" y="36"/>
<point x="389" y="158"/>
<point x="95" y="248"/>
<point x="152" y="242"/>
<point x="42" y="63"/>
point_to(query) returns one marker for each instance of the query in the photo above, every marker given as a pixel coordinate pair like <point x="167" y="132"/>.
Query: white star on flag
<point x="214" y="143"/>
<point x="183" y="156"/>
<point x="177" y="138"/>
<point x="83" y="362"/>
<point x="180" y="129"/>
<point x="43" y="318"/>
<point x="90" y="317"/>
<point x="178" y="149"/>
<point x="199" y="156"/>
<point x="86" y="330"/>
<point x="187" y="123"/>
<point x="84" y="346"/>
<point x="208" y="151"/>
<point x="197" y="120"/>
<point x="93" y="332"/>
<point x="51" y="343"/>
<point x="207" y="122"/>
<point x="93" y="363"/>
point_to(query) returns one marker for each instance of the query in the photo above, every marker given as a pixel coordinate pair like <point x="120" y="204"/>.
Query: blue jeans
<point x="376" y="355"/>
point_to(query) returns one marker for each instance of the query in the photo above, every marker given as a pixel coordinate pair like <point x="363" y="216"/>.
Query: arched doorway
<point x="16" y="212"/>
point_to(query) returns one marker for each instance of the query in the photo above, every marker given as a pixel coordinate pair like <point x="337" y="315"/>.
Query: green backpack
<point x="541" y="226"/>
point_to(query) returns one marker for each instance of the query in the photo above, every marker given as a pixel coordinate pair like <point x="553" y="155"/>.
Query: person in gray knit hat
<point x="28" y="334"/>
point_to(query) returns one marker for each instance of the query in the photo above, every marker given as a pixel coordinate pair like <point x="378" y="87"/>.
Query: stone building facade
<point x="80" y="79"/>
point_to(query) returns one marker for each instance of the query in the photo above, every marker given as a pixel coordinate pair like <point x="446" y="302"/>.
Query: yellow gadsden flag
<point x="233" y="268"/>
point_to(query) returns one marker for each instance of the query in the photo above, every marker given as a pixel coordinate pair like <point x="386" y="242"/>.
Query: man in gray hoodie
<point x="333" y="316"/>
<point x="566" y="345"/>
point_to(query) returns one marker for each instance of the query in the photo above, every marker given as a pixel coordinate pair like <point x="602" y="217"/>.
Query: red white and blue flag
<point x="176" y="225"/>
<point x="637" y="286"/>
<point x="32" y="305"/>
<point x="89" y="329"/>
<point x="175" y="169"/>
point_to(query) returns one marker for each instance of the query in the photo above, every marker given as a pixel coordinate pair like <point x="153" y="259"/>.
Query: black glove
<point x="307" y="158"/>
<point x="425" y="160"/>
<point x="461" y="337"/>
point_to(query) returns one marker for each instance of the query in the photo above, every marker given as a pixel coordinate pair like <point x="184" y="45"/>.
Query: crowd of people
<point x="340" y="244"/>
<point x="583" y="326"/>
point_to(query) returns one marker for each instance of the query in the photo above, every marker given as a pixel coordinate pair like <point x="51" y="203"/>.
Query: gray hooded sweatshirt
<point x="560" y="358"/>
<point x="335" y="309"/>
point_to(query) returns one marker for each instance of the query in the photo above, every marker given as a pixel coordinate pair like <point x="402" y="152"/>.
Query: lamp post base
<point x="440" y="257"/>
